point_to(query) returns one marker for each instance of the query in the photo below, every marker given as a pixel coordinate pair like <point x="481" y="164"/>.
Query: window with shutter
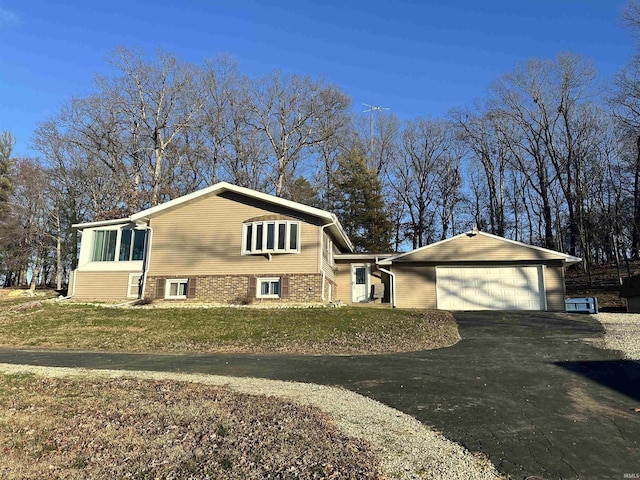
<point x="268" y="287"/>
<point x="176" y="288"/>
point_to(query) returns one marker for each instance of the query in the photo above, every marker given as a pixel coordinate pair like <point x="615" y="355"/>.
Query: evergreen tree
<point x="360" y="204"/>
<point x="301" y="191"/>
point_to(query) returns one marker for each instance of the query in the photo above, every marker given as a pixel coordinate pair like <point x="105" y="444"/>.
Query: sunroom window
<point x="277" y="236"/>
<point x="128" y="243"/>
<point x="104" y="247"/>
<point x="132" y="245"/>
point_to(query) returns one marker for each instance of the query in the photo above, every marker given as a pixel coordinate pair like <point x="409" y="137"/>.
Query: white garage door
<point x="490" y="288"/>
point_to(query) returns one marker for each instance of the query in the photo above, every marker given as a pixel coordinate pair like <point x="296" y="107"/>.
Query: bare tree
<point x="287" y="111"/>
<point x="416" y="175"/>
<point x="155" y="102"/>
<point x="483" y="135"/>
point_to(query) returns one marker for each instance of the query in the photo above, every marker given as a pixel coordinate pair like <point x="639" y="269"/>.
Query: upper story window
<point x="275" y="236"/>
<point x="328" y="250"/>
<point x="128" y="243"/>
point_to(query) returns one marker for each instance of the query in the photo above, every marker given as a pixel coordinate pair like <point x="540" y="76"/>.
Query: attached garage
<point x="479" y="271"/>
<point x="490" y="288"/>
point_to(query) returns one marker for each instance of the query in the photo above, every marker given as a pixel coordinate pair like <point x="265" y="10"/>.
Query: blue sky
<point x="418" y="58"/>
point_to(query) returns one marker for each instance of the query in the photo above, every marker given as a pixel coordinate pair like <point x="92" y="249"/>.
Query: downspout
<point x="393" y="284"/>
<point x="147" y="260"/>
<point x="321" y="253"/>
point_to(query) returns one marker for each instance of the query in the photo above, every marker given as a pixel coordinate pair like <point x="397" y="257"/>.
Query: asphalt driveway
<point x="528" y="390"/>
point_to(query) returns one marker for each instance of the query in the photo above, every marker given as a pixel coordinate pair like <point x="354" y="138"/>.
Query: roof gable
<point x="222" y="187"/>
<point x="479" y="246"/>
<point x="325" y="218"/>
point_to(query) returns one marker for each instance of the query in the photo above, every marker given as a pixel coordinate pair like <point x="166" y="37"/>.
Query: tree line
<point x="548" y="157"/>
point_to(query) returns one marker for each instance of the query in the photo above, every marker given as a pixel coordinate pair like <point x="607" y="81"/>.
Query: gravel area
<point x="622" y="332"/>
<point x="410" y="450"/>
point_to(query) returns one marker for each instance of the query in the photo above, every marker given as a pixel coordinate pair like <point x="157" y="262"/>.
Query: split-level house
<point x="229" y="244"/>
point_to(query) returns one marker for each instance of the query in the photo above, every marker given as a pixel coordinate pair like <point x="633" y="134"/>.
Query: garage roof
<point x="477" y="246"/>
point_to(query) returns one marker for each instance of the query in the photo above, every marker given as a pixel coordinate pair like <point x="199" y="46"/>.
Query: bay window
<point x="276" y="236"/>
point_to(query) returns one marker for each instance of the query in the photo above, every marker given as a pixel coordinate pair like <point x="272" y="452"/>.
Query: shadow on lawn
<point x="620" y="375"/>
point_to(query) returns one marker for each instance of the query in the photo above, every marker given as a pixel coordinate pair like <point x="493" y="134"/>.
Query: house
<point x="231" y="244"/>
<point x="221" y="244"/>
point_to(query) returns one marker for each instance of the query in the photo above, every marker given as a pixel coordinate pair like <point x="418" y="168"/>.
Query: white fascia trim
<point x="342" y="233"/>
<point x="364" y="256"/>
<point x="224" y="186"/>
<point x="221" y="187"/>
<point x="568" y="259"/>
<point x="102" y="223"/>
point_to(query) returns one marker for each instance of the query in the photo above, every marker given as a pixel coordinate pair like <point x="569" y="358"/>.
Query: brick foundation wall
<point x="234" y="289"/>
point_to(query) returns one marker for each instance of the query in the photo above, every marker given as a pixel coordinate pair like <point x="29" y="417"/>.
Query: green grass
<point x="225" y="330"/>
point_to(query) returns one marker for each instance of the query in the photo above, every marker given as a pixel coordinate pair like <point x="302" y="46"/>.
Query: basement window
<point x="268" y="288"/>
<point x="176" y="288"/>
<point x="134" y="285"/>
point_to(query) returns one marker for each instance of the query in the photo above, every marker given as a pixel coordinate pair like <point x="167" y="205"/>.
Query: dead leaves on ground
<point x="128" y="428"/>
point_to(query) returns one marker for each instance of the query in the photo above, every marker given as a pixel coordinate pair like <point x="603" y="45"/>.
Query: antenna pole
<point x="371" y="109"/>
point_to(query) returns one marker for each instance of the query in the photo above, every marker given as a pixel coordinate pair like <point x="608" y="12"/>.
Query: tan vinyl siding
<point x="328" y="270"/>
<point x="554" y="288"/>
<point x="343" y="279"/>
<point x="205" y="238"/>
<point x="477" y="248"/>
<point x="415" y="286"/>
<point x="102" y="285"/>
<point x="343" y="282"/>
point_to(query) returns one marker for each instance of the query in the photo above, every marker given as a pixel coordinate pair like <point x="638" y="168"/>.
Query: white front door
<point x="359" y="283"/>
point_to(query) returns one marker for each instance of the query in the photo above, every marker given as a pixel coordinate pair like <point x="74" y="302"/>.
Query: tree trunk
<point x="58" y="260"/>
<point x="36" y="274"/>
<point x="157" y="170"/>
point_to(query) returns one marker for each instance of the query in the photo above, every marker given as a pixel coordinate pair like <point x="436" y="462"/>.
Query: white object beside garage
<point x="490" y="288"/>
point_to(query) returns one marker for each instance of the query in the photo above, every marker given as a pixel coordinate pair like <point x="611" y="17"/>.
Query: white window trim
<point x="131" y="283"/>
<point x="263" y="248"/>
<point x="259" y="282"/>
<point x="167" y="288"/>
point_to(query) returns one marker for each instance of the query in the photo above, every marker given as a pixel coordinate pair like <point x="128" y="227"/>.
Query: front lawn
<point x="346" y="330"/>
